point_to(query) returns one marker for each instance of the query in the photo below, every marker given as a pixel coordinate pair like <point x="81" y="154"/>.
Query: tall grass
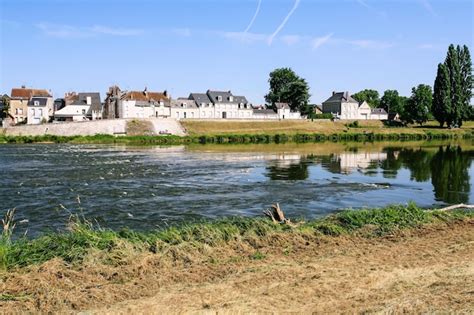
<point x="76" y="243"/>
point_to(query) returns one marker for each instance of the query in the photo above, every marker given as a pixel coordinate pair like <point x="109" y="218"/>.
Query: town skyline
<point x="231" y="45"/>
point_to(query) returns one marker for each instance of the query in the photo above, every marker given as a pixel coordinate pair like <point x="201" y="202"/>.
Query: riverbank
<point x="399" y="258"/>
<point x="351" y="134"/>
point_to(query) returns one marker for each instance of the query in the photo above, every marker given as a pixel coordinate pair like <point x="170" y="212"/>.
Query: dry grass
<point x="429" y="269"/>
<point x="140" y="127"/>
<point x="201" y="127"/>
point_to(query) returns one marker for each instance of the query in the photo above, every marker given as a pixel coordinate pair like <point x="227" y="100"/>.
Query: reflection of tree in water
<point x="391" y="164"/>
<point x="418" y="162"/>
<point x="450" y="177"/>
<point x="294" y="170"/>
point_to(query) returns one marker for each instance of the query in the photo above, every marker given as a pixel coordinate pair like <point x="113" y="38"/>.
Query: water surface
<point x="146" y="187"/>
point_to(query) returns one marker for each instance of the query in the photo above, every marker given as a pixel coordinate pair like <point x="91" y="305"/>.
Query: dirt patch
<point x="140" y="128"/>
<point x="422" y="270"/>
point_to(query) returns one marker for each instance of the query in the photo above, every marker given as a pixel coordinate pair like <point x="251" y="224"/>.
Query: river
<point x="147" y="187"/>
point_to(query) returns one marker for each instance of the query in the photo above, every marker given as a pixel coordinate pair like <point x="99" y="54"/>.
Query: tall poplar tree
<point x="453" y="87"/>
<point x="441" y="108"/>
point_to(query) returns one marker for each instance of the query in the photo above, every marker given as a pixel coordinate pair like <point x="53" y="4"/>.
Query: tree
<point x="418" y="106"/>
<point x="6" y="106"/>
<point x="392" y="102"/>
<point x="441" y="108"/>
<point x="453" y="87"/>
<point x="370" y="96"/>
<point x="287" y="87"/>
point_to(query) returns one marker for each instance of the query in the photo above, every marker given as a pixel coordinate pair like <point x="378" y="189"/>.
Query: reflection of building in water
<point x="350" y="161"/>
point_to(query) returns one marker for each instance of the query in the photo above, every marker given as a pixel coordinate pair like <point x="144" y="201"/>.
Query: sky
<point x="185" y="46"/>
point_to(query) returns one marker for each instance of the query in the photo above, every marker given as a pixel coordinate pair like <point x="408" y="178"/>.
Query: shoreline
<point x="241" y="138"/>
<point x="96" y="269"/>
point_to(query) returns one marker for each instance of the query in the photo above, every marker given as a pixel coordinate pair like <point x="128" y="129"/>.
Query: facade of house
<point x="40" y="110"/>
<point x="81" y="107"/>
<point x="343" y="106"/>
<point x="20" y="97"/>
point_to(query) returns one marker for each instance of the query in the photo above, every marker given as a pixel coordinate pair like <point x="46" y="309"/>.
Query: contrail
<point x="279" y="28"/>
<point x="254" y="16"/>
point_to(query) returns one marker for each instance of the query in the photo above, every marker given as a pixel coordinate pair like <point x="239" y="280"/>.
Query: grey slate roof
<point x="379" y="111"/>
<point x="200" y="98"/>
<point x="341" y="97"/>
<point x="264" y="111"/>
<point x="95" y="100"/>
<point x="41" y="100"/>
<point x="241" y="99"/>
<point x="179" y="102"/>
<point x="225" y="95"/>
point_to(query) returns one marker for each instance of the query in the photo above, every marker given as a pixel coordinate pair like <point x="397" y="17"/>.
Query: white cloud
<point x="244" y="37"/>
<point x="184" y="32"/>
<point x="319" y="41"/>
<point x="291" y="39"/>
<point x="285" y="20"/>
<point x="68" y="31"/>
<point x="370" y="44"/>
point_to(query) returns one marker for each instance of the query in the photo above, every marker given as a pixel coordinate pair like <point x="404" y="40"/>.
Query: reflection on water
<point x="145" y="187"/>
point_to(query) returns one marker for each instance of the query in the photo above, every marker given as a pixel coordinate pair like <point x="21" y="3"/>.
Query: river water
<point x="147" y="187"/>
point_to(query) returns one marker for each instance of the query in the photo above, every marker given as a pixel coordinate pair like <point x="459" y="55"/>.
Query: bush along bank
<point x="238" y="138"/>
<point x="82" y="237"/>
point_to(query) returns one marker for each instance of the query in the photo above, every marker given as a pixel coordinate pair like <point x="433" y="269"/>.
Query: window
<point x="231" y="98"/>
<point x="83" y="112"/>
<point x="219" y="98"/>
<point x="40" y="112"/>
<point x="36" y="103"/>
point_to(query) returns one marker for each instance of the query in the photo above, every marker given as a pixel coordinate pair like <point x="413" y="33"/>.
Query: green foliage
<point x="322" y="116"/>
<point x="392" y="102"/>
<point x="370" y="96"/>
<point x="442" y="95"/>
<point x="74" y="245"/>
<point x="453" y="87"/>
<point x="6" y="106"/>
<point x="287" y="87"/>
<point x="418" y="106"/>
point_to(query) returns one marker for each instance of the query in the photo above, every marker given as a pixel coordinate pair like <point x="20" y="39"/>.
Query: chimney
<point x="333" y="93"/>
<point x="23" y="87"/>
<point x="165" y="93"/>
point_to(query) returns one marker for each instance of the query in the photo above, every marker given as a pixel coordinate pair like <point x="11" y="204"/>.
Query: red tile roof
<point x="24" y="93"/>
<point x="146" y="96"/>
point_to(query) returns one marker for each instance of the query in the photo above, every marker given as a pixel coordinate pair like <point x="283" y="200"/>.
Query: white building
<point x="82" y="107"/>
<point x="40" y="109"/>
<point x="343" y="106"/>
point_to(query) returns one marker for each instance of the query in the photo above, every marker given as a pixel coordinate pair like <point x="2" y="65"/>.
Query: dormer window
<point x="36" y="103"/>
<point x="231" y="98"/>
<point x="219" y="98"/>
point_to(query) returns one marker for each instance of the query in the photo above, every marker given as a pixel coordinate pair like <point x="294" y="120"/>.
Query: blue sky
<point x="190" y="46"/>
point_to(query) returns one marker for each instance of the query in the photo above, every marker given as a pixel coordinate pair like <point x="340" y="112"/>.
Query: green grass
<point x="347" y="135"/>
<point x="74" y="245"/>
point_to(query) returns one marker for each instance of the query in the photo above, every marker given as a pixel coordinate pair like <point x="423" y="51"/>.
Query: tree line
<point x="448" y="101"/>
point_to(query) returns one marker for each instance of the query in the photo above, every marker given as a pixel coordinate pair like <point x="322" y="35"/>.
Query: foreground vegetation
<point x="82" y="237"/>
<point x="264" y="132"/>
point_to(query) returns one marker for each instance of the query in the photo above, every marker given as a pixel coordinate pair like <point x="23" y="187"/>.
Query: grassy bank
<point x="82" y="239"/>
<point x="351" y="134"/>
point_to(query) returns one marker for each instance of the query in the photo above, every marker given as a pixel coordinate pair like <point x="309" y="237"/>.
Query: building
<point x="341" y="105"/>
<point x="136" y="104"/>
<point x="20" y="97"/>
<point x="40" y="110"/>
<point x="80" y="107"/>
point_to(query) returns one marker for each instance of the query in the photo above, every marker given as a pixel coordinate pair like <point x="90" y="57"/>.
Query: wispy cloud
<point x="68" y="31"/>
<point x="244" y="37"/>
<point x="370" y="44"/>
<point x="254" y="16"/>
<point x="283" y="23"/>
<point x="184" y="32"/>
<point x="291" y="39"/>
<point x="427" y="5"/>
<point x="319" y="41"/>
